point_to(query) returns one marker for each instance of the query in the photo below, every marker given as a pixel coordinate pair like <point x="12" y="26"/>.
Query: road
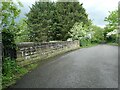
<point x="94" y="67"/>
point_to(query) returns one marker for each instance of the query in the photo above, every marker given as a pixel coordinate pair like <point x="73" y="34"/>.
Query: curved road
<point x="95" y="67"/>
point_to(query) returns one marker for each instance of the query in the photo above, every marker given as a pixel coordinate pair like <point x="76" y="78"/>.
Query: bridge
<point x="94" y="67"/>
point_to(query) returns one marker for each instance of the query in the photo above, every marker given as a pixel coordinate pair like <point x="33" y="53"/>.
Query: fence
<point x="29" y="52"/>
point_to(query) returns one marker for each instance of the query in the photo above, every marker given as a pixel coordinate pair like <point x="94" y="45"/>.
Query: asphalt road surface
<point x="95" y="67"/>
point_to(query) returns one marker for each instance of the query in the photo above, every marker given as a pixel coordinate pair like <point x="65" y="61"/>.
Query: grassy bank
<point x="114" y="44"/>
<point x="10" y="78"/>
<point x="89" y="45"/>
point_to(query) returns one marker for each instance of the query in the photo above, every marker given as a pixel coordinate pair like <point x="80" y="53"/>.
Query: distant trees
<point x="98" y="35"/>
<point x="52" y="21"/>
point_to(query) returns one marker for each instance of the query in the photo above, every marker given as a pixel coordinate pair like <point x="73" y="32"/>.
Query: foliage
<point x="98" y="36"/>
<point x="119" y="13"/>
<point x="68" y="13"/>
<point x="39" y="20"/>
<point x="54" y="23"/>
<point x="87" y="34"/>
<point x="10" y="68"/>
<point x="77" y="31"/>
<point x="113" y="44"/>
<point x="23" y="33"/>
<point x="112" y="25"/>
<point x="12" y="71"/>
<point x="82" y="33"/>
<point x="8" y="26"/>
<point x="9" y="12"/>
<point x="112" y="19"/>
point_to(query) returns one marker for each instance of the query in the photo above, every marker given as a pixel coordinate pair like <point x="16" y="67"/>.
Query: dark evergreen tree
<point x="40" y="20"/>
<point x="68" y="13"/>
<point x="52" y="21"/>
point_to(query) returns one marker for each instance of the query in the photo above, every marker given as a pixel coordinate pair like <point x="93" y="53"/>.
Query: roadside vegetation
<point x="111" y="31"/>
<point x="49" y="21"/>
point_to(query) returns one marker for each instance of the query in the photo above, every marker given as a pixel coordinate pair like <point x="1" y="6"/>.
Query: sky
<point x="97" y="9"/>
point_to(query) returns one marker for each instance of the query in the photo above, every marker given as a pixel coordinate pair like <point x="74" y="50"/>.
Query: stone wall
<point x="29" y="52"/>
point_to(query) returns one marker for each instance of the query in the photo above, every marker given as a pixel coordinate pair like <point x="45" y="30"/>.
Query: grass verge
<point x="9" y="80"/>
<point x="90" y="45"/>
<point x="114" y="44"/>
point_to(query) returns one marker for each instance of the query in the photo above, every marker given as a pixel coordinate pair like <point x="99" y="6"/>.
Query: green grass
<point x="10" y="80"/>
<point x="90" y="45"/>
<point x="114" y="44"/>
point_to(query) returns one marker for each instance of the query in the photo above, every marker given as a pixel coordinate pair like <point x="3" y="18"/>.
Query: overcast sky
<point x="96" y="9"/>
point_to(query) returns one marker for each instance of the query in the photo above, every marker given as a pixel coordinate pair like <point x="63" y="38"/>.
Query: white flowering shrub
<point x="80" y="32"/>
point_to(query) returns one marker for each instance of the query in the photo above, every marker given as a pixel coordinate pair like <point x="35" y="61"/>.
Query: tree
<point x="77" y="32"/>
<point x="68" y="14"/>
<point x="9" y="12"/>
<point x="112" y="19"/>
<point x="81" y="32"/>
<point x="87" y="34"/>
<point x="40" y="20"/>
<point x="22" y="34"/>
<point x="98" y="35"/>
<point x="53" y="21"/>
<point x="112" y="25"/>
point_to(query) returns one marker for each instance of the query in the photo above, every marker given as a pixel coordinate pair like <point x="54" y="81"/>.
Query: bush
<point x="10" y="71"/>
<point x="9" y="66"/>
<point x="85" y="42"/>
